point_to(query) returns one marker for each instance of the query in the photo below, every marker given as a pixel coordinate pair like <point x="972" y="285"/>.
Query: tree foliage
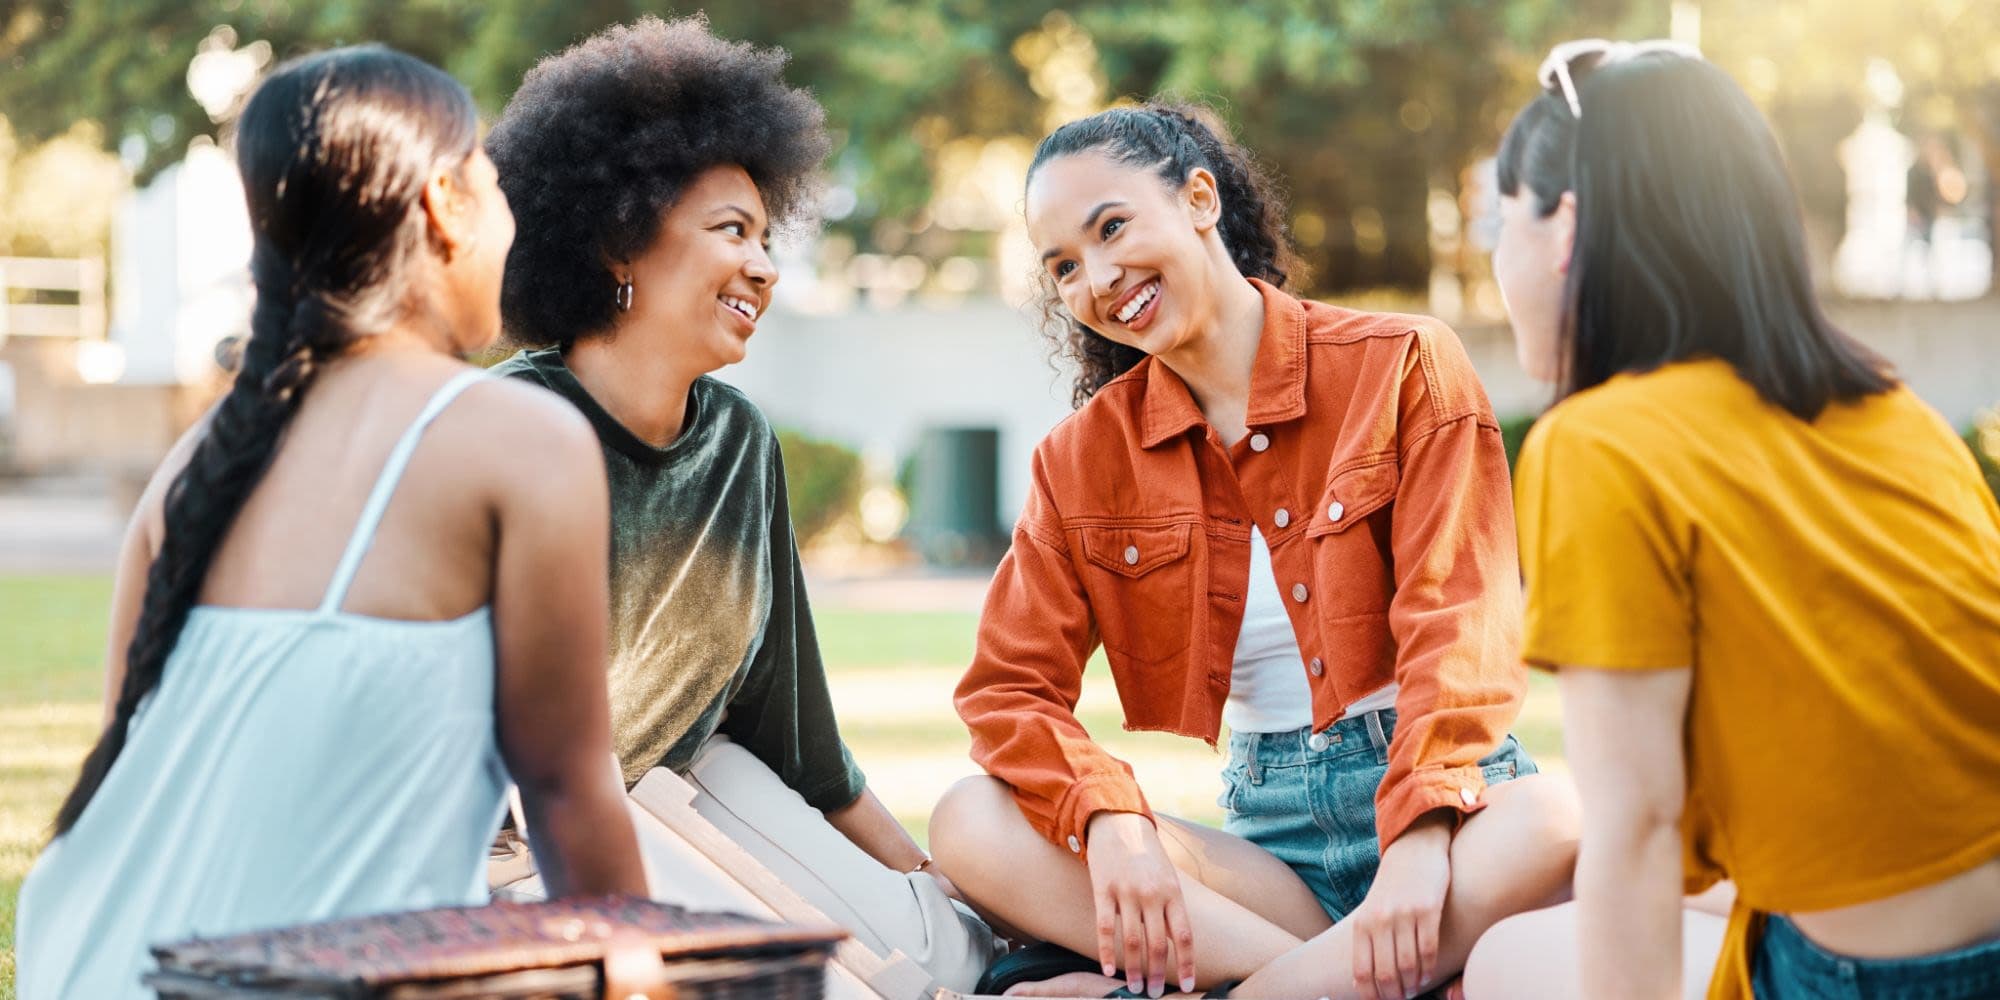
<point x="1366" y="107"/>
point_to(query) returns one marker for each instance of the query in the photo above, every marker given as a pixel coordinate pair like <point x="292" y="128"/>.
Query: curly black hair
<point x="1171" y="139"/>
<point x="602" y="138"/>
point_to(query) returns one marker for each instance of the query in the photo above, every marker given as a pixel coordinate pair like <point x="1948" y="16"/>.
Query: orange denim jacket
<point x="1374" y="470"/>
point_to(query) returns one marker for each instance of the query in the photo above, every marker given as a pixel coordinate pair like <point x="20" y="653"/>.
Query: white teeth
<point x="740" y="305"/>
<point x="1138" y="303"/>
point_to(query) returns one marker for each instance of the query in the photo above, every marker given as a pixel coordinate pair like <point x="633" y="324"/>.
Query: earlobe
<point x="1203" y="201"/>
<point x="437" y="202"/>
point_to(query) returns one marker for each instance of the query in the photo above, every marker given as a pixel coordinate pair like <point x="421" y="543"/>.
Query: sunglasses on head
<point x="1570" y="59"/>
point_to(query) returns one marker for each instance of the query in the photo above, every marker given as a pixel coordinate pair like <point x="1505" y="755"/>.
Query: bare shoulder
<point x="148" y="523"/>
<point x="511" y="430"/>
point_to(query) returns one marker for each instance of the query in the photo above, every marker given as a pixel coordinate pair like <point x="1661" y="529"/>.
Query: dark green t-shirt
<point x="710" y="629"/>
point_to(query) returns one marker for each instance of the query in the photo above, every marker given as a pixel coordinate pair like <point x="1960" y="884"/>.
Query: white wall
<point x="181" y="281"/>
<point x="874" y="379"/>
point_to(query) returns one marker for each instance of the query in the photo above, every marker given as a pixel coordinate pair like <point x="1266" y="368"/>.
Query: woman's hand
<point x="1396" y="927"/>
<point x="1142" y="922"/>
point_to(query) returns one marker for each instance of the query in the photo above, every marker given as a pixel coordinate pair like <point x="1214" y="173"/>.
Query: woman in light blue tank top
<point x="364" y="594"/>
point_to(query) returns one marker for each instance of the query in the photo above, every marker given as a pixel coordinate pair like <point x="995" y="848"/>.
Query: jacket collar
<point x="1277" y="377"/>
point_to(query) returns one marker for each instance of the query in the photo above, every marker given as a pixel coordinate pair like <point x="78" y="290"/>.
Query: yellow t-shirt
<point x="1835" y="587"/>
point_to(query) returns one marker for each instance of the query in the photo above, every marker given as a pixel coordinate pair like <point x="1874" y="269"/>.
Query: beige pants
<point x="731" y="789"/>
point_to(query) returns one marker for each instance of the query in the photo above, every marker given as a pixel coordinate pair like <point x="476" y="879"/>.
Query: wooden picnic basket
<point x="556" y="950"/>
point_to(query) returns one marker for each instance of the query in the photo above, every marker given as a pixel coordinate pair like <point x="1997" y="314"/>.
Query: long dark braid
<point x="1174" y="139"/>
<point x="334" y="151"/>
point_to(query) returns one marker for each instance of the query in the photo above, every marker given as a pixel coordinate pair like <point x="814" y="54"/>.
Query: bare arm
<point x="1623" y="730"/>
<point x="143" y="534"/>
<point x="868" y="823"/>
<point x="551" y="627"/>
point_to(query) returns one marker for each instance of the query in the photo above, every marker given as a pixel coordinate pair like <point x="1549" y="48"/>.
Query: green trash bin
<point x="955" y="497"/>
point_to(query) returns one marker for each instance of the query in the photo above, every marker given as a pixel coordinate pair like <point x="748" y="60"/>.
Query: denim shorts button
<point x="1317" y="742"/>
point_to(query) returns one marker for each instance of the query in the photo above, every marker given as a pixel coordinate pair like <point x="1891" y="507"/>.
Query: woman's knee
<point x="1527" y="955"/>
<point x="1545" y="810"/>
<point x="970" y="820"/>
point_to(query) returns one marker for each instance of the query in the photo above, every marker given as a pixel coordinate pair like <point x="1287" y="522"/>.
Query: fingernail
<point x="1109" y="972"/>
<point x="1187" y="985"/>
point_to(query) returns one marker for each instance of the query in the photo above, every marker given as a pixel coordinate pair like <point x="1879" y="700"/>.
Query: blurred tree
<point x="1370" y="109"/>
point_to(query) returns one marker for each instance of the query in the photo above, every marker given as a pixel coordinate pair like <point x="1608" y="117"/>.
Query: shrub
<point x="822" y="482"/>
<point x="1983" y="437"/>
<point x="1513" y="431"/>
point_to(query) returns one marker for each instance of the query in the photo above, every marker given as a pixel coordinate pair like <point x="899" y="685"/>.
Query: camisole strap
<point x="385" y="487"/>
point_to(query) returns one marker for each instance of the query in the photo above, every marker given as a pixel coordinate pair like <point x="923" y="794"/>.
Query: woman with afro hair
<point x="647" y="167"/>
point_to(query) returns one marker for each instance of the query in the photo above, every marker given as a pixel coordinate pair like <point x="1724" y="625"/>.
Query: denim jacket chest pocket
<point x="1350" y="537"/>
<point x="1139" y="579"/>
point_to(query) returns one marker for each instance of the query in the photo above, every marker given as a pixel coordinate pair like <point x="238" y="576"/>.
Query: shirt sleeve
<point x="1604" y="556"/>
<point x="1456" y="621"/>
<point x="1019" y="696"/>
<point x="783" y="712"/>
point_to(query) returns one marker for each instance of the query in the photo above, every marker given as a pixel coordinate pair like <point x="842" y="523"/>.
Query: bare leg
<point x="1533" y="956"/>
<point x="1246" y="906"/>
<point x="1517" y="855"/>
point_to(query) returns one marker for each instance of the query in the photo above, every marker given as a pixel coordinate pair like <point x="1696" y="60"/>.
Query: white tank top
<point x="1268" y="689"/>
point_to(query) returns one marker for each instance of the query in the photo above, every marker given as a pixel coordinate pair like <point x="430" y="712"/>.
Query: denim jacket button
<point x="1334" y="511"/>
<point x="1282" y="518"/>
<point x="1316" y="668"/>
<point x="1075" y="846"/>
<point x="1299" y="592"/>
<point x="1259" y="442"/>
<point x="1131" y="555"/>
<point x="1468" y="796"/>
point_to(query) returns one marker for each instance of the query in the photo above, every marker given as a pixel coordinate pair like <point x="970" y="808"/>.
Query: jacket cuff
<point x="1088" y="796"/>
<point x="1459" y="789"/>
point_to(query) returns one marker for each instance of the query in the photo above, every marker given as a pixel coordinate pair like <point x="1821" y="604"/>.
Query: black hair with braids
<point x="335" y="150"/>
<point x="1172" y="139"/>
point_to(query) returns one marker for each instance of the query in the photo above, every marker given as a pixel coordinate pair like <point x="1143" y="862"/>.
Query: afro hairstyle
<point x="602" y="138"/>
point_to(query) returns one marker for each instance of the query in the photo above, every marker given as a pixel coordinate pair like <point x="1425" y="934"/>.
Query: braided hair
<point x="334" y="150"/>
<point x="1173" y="139"/>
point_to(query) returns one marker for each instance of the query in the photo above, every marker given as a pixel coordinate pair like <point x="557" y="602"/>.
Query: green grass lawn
<point x="892" y="680"/>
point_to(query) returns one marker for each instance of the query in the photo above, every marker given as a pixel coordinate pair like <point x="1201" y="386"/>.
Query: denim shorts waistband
<point x="1366" y="732"/>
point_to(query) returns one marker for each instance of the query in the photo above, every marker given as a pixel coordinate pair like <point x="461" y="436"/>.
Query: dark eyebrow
<point x="1101" y="208"/>
<point x="740" y="210"/>
<point x="1088" y="221"/>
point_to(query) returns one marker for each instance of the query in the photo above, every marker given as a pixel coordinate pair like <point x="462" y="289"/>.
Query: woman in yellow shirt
<point x="1768" y="575"/>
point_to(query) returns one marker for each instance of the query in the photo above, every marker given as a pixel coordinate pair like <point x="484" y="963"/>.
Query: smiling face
<point x="1127" y="252"/>
<point x="708" y="276"/>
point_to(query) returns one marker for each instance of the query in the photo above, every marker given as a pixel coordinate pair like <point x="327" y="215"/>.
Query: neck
<point x="406" y="338"/>
<point x="1217" y="365"/>
<point x="641" y="389"/>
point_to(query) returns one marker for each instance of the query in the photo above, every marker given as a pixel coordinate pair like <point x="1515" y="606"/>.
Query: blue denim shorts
<point x="1309" y="798"/>
<point x="1789" y="966"/>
